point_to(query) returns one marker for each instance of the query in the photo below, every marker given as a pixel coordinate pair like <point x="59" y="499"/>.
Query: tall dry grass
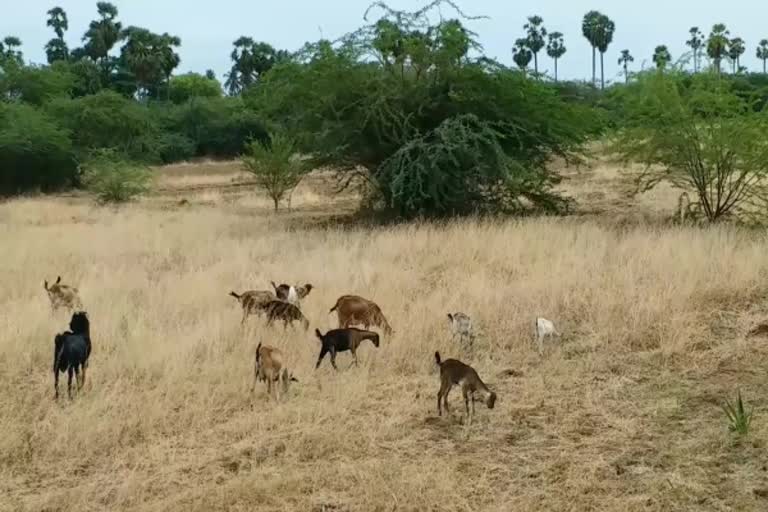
<point x="622" y="416"/>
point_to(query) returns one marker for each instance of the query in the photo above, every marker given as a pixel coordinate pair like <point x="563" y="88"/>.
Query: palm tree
<point x="57" y="19"/>
<point x="589" y="28"/>
<point x="717" y="45"/>
<point x="56" y="48"/>
<point x="696" y="42"/>
<point x="762" y="52"/>
<point x="661" y="56"/>
<point x="605" y="30"/>
<point x="556" y="48"/>
<point x="624" y="61"/>
<point x="522" y="54"/>
<point x="536" y="34"/>
<point x="8" y="49"/>
<point x="102" y="35"/>
<point x="736" y="50"/>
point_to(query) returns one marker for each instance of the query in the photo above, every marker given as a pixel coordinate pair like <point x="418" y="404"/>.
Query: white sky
<point x="207" y="28"/>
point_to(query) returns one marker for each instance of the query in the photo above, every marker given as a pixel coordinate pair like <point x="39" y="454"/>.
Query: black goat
<point x="341" y="340"/>
<point x="71" y="351"/>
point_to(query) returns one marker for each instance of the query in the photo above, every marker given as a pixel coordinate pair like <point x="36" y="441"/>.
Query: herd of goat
<point x="72" y="348"/>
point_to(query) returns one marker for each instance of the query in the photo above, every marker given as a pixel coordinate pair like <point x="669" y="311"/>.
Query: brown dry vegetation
<point x="623" y="415"/>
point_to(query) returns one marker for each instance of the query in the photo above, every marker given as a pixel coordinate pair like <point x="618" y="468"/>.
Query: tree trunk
<point x="602" y="72"/>
<point x="276" y="200"/>
<point x="556" y="68"/>
<point x="594" y="66"/>
<point x="626" y="73"/>
<point x="764" y="72"/>
<point x="536" y="63"/>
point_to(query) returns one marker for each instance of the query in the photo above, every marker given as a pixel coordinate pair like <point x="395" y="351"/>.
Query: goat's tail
<point x="233" y="294"/>
<point x="319" y="334"/>
<point x="437" y="358"/>
<point x="334" y="307"/>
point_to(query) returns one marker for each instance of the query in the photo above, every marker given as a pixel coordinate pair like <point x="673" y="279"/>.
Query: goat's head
<point x="79" y="324"/>
<point x="54" y="288"/>
<point x="490" y="400"/>
<point x="375" y="339"/>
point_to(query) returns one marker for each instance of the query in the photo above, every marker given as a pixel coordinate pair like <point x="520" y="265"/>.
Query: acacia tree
<point x="762" y="52"/>
<point x="696" y="42"/>
<point x="624" y="60"/>
<point x="535" y="38"/>
<point x="462" y="135"/>
<point x="717" y="45"/>
<point x="556" y="48"/>
<point x="661" y="56"/>
<point x="735" y="51"/>
<point x="522" y="54"/>
<point x="703" y="137"/>
<point x="56" y="49"/>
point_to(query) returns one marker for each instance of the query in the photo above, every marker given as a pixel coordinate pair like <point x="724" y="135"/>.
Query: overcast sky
<point x="208" y="27"/>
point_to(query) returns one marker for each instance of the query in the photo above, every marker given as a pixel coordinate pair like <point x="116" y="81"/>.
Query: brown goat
<point x="454" y="372"/>
<point x="270" y="367"/>
<point x="355" y="310"/>
<point x="252" y="300"/>
<point x="62" y="295"/>
<point x="277" y="309"/>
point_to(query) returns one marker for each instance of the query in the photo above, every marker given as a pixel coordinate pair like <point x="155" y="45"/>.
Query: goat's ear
<point x="58" y="280"/>
<point x="45" y="284"/>
<point x="450" y="317"/>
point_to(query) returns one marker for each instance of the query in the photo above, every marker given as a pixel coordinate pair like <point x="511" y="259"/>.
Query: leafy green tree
<point x="698" y="134"/>
<point x="35" y="153"/>
<point x="463" y="135"/>
<point x="275" y="166"/>
<point x="56" y="49"/>
<point x="762" y="53"/>
<point x="625" y="60"/>
<point x="735" y="50"/>
<point x="37" y="85"/>
<point x="696" y="43"/>
<point x="193" y="85"/>
<point x="522" y="54"/>
<point x="717" y="45"/>
<point x="556" y="48"/>
<point x="536" y="35"/>
<point x="150" y="57"/>
<point x="661" y="56"/>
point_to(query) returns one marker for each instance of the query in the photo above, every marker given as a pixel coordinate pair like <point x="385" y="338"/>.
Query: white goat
<point x="461" y="325"/>
<point x="544" y="328"/>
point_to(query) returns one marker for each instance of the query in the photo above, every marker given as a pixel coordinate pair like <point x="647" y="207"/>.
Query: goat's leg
<point x="269" y="385"/>
<point x="354" y="358"/>
<point x="440" y="394"/>
<point x="56" y="382"/>
<point x="333" y="359"/>
<point x="465" y="392"/>
<point x="69" y="381"/>
<point x="445" y="398"/>
<point x="323" y="351"/>
<point x="85" y="365"/>
<point x="245" y="316"/>
<point x="540" y="343"/>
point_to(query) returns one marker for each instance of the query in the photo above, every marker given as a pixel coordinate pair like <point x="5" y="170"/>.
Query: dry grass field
<point x="622" y="414"/>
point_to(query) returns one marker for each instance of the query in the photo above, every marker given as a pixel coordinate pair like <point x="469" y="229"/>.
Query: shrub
<point x="739" y="419"/>
<point x="702" y="137"/>
<point x="275" y="166"/>
<point x="193" y="85"/>
<point x="112" y="178"/>
<point x="35" y="153"/>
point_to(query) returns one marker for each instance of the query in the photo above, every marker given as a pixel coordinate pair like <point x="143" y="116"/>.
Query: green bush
<point x="193" y="85"/>
<point x="275" y="166"/>
<point x="109" y="120"/>
<point x="112" y="178"/>
<point x="38" y="84"/>
<point x="35" y="153"/>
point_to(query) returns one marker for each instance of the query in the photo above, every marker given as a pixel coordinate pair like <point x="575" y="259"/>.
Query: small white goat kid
<point x="544" y="329"/>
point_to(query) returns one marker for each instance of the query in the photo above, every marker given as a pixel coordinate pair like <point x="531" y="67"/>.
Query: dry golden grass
<point x="622" y="415"/>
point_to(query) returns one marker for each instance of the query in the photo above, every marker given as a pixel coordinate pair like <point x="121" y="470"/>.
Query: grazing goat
<point x="454" y="372"/>
<point x="252" y="300"/>
<point x="291" y="293"/>
<point x="352" y="309"/>
<point x="71" y="352"/>
<point x="277" y="309"/>
<point x="341" y="340"/>
<point x="269" y="367"/>
<point x="461" y="325"/>
<point x="544" y="328"/>
<point x="62" y="295"/>
<point x="758" y="330"/>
